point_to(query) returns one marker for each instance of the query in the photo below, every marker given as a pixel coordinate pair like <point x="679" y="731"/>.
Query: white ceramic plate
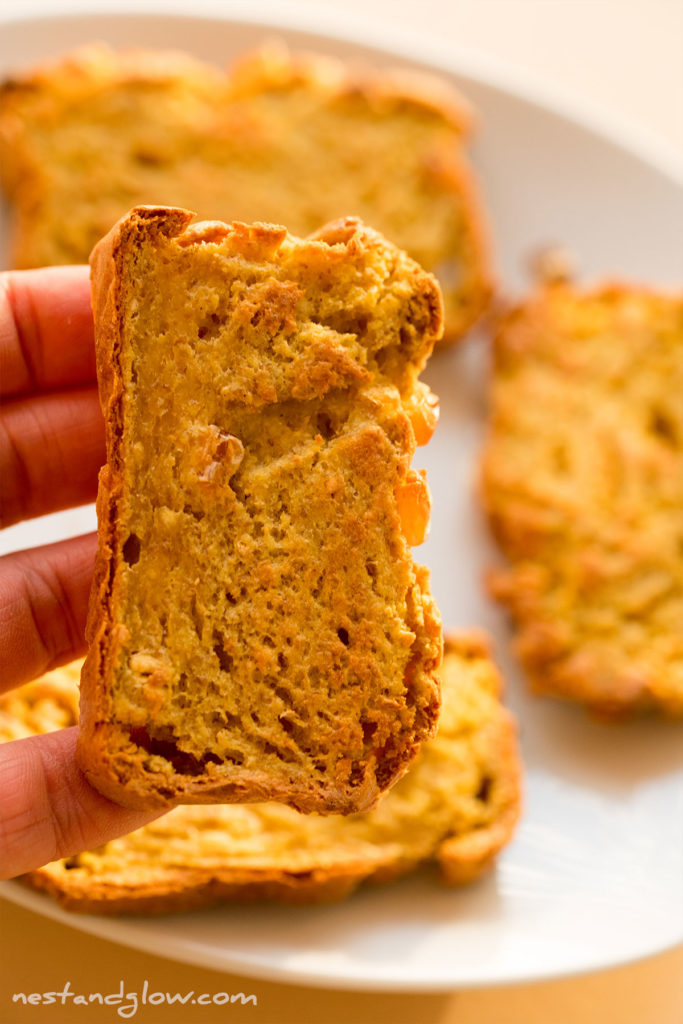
<point x="594" y="876"/>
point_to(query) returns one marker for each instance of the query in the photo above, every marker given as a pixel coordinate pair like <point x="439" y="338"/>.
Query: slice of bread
<point x="583" y="482"/>
<point x="302" y="138"/>
<point x="258" y="628"/>
<point x="44" y="705"/>
<point x="457" y="805"/>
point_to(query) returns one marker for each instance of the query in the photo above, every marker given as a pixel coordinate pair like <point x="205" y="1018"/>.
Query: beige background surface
<point x="41" y="956"/>
<point x="624" y="56"/>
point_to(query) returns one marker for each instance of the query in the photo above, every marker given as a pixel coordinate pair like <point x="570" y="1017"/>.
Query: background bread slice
<point x="583" y="482"/>
<point x="298" y="137"/>
<point x="457" y="805"/>
<point x="258" y="629"/>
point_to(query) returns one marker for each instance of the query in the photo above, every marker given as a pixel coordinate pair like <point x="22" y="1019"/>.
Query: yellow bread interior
<point x="258" y="622"/>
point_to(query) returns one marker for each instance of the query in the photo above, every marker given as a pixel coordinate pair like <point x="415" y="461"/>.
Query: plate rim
<point x="123" y="933"/>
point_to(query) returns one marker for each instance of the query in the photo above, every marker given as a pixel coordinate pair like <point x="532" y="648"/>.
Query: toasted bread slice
<point x="457" y="805"/>
<point x="300" y="138"/>
<point x="583" y="482"/>
<point x="258" y="628"/>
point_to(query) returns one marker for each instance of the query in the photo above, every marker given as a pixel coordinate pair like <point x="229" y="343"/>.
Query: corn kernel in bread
<point x="458" y="805"/>
<point x="280" y="137"/>
<point x="258" y="628"/>
<point x="583" y="481"/>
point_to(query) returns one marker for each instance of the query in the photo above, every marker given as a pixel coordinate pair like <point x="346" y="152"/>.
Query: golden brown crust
<point x="463" y="858"/>
<point x="192" y="890"/>
<point x="466" y="857"/>
<point x="583" y="482"/>
<point x="458" y="806"/>
<point x="106" y="276"/>
<point x="193" y="135"/>
<point x="135" y="746"/>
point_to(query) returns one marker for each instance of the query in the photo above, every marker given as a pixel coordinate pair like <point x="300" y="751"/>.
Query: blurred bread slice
<point x="457" y="806"/>
<point x="583" y="482"/>
<point x="295" y="139"/>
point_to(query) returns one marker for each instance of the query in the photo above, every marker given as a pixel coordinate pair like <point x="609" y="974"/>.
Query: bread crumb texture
<point x="583" y="482"/>
<point x="457" y="805"/>
<point x="296" y="138"/>
<point x="258" y="628"/>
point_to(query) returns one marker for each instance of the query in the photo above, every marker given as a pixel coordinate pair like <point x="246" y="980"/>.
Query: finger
<point x="46" y="330"/>
<point x="49" y="810"/>
<point x="44" y="596"/>
<point x="51" y="448"/>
